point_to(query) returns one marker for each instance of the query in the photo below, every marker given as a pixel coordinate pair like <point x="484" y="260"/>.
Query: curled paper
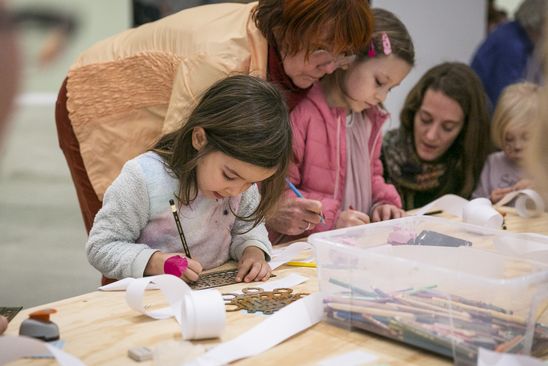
<point x="200" y="314"/>
<point x="528" y="202"/>
<point x="478" y="211"/>
<point x="15" y="347"/>
<point x="286" y="254"/>
<point x="290" y="320"/>
<point x="450" y="203"/>
<point x="121" y="285"/>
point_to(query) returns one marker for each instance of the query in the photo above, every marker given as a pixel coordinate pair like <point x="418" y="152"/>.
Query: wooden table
<point x="99" y="327"/>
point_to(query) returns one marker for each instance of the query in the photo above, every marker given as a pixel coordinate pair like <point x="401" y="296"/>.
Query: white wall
<point x="442" y="30"/>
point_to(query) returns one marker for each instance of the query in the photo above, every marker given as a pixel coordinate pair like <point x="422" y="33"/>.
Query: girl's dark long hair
<point x="245" y="118"/>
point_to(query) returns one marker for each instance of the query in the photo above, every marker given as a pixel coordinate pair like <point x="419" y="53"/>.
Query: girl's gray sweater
<point x="136" y="221"/>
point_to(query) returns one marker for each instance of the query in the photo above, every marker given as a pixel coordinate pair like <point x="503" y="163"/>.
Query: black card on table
<point x="216" y="279"/>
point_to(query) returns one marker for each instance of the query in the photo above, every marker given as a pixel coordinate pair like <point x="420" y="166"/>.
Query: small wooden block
<point x="140" y="354"/>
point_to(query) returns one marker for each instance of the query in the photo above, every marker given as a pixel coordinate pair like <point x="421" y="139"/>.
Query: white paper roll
<point x="480" y="212"/>
<point x="201" y="314"/>
<point x="286" y="322"/>
<point x="15" y="347"/>
<point x="528" y="202"/>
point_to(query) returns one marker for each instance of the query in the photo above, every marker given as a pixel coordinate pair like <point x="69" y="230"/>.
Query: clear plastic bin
<point x="440" y="285"/>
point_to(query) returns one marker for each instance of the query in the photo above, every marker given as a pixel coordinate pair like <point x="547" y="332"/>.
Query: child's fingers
<point x="376" y="217"/>
<point x="264" y="273"/>
<point x="391" y="212"/>
<point x="190" y="276"/>
<point x="253" y="272"/>
<point x="195" y="266"/>
<point x="360" y="217"/>
<point x="243" y="269"/>
<point x="388" y="212"/>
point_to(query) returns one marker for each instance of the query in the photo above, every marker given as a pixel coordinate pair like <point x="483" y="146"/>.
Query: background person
<point x="509" y="54"/>
<point x="511" y="128"/>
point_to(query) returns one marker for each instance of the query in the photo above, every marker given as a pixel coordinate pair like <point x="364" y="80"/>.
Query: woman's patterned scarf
<point x="406" y="170"/>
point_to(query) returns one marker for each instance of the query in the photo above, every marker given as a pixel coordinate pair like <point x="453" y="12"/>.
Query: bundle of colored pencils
<point x="443" y="323"/>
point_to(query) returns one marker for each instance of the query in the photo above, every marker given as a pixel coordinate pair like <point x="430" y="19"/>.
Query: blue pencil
<point x="300" y="195"/>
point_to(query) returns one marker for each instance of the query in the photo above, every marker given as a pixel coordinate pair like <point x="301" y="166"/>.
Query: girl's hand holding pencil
<point x="157" y="264"/>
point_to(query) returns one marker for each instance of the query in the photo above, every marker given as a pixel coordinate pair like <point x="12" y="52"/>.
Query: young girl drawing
<point x="513" y="120"/>
<point x="238" y="135"/>
<point x="337" y="133"/>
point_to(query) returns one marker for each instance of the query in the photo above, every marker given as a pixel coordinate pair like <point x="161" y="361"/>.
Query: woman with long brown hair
<point x="443" y="139"/>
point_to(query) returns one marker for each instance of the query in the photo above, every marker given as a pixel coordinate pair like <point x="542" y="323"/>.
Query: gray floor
<point x="42" y="236"/>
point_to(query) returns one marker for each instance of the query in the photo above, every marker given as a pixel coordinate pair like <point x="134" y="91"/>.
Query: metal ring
<point x="308" y="227"/>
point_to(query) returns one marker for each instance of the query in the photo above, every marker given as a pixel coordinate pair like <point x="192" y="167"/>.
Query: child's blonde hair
<point x="517" y="107"/>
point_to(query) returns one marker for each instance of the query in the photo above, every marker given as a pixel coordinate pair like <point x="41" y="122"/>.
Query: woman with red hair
<point x="125" y="92"/>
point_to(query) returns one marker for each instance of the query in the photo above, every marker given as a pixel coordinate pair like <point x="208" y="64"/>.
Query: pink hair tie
<point x="371" y="53"/>
<point x="176" y="265"/>
<point x="386" y="46"/>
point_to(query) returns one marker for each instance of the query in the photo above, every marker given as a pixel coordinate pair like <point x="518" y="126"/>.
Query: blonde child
<point x="513" y="119"/>
<point x="337" y="133"/>
<point x="238" y="135"/>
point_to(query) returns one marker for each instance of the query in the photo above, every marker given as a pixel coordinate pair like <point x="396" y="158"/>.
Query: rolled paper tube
<point x="480" y="212"/>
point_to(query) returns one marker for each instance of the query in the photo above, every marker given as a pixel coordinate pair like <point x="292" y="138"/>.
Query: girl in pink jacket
<point x="337" y="134"/>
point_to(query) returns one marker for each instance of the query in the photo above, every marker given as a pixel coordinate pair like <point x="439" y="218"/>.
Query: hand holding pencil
<point x="296" y="215"/>
<point x="157" y="265"/>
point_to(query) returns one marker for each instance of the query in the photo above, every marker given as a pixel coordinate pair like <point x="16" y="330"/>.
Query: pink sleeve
<point x="299" y="125"/>
<point x="382" y="192"/>
<point x="300" y="122"/>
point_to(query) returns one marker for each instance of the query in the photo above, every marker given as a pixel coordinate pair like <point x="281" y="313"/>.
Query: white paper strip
<point x="450" y="203"/>
<point x="15" y="347"/>
<point x="478" y="211"/>
<point x="283" y="324"/>
<point x="122" y="285"/>
<point x="201" y="314"/>
<point x="286" y="254"/>
<point x="491" y="358"/>
<point x="353" y="358"/>
<point x="528" y="202"/>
